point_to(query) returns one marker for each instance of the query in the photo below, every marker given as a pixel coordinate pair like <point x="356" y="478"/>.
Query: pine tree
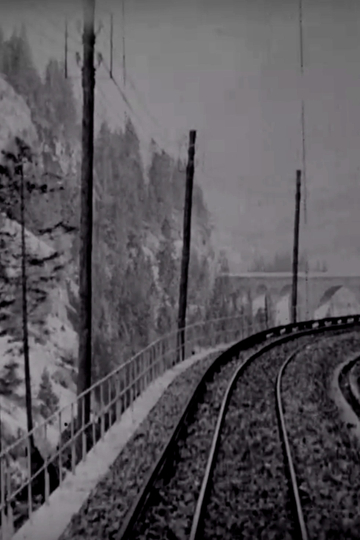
<point x="18" y="182"/>
<point x="166" y="260"/>
<point x="58" y="101"/>
<point x="18" y="66"/>
<point x="47" y="397"/>
<point x="9" y="380"/>
<point x="223" y="263"/>
<point x="159" y="188"/>
<point x="178" y="182"/>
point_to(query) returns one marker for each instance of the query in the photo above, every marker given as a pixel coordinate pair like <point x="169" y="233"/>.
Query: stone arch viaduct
<point x="321" y="286"/>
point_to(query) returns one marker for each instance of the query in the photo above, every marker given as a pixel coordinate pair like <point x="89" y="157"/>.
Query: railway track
<point x="345" y="383"/>
<point x="199" y="488"/>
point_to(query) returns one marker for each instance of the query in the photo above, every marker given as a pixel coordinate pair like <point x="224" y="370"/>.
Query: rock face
<point x="15" y="117"/>
<point x="52" y="338"/>
<point x="52" y="224"/>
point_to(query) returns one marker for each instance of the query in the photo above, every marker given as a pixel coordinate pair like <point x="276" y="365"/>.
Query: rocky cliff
<point x="52" y="225"/>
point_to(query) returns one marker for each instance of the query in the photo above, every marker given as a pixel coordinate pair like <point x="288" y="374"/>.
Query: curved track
<point x="301" y="331"/>
<point x="346" y="387"/>
<point x="298" y="510"/>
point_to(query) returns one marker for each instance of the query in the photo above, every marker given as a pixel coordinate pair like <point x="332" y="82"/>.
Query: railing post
<point x="3" y="497"/>
<point x="132" y="384"/>
<point x="110" y="406"/>
<point x="102" y="419"/>
<point x="60" y="449"/>
<point x="10" y="517"/>
<point x="117" y="391"/>
<point x="83" y="433"/>
<point x="29" y="467"/>
<point x="73" y="443"/>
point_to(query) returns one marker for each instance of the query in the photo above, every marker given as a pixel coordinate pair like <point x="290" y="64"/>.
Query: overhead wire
<point x="40" y="31"/>
<point x="110" y="106"/>
<point x="173" y="159"/>
<point x="149" y="134"/>
<point x="126" y="101"/>
<point x="57" y="27"/>
<point x="160" y="130"/>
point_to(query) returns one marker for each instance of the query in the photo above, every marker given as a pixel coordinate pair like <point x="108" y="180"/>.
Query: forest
<point x="282" y="262"/>
<point x="137" y="218"/>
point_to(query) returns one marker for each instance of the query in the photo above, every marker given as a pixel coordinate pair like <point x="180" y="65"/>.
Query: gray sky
<point x="230" y="69"/>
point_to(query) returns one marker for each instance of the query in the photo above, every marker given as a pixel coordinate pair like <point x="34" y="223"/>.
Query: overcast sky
<point x="230" y="70"/>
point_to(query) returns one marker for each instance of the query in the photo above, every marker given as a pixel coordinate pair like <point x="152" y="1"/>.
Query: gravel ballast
<point x="355" y="375"/>
<point x="325" y="454"/>
<point x="102" y="514"/>
<point x="173" y="499"/>
<point x="250" y="496"/>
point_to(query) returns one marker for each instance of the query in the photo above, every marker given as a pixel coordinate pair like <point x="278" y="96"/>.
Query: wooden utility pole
<point x="66" y="48"/>
<point x="124" y="58"/>
<point x="85" y="260"/>
<point x="186" y="245"/>
<point x="123" y="43"/>
<point x="296" y="247"/>
<point x="111" y="44"/>
<point x="28" y="398"/>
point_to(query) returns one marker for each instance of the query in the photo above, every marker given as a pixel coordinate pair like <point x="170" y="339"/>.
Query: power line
<point x="162" y="131"/>
<point x="40" y="31"/>
<point x="174" y="159"/>
<point x="143" y="104"/>
<point x="127" y="78"/>
<point x="131" y="108"/>
<point x="53" y="24"/>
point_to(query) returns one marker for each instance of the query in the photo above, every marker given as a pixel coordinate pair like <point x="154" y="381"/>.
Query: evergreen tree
<point x="9" y="380"/>
<point x="135" y="314"/>
<point x="166" y="259"/>
<point x="178" y="183"/>
<point x="223" y="263"/>
<point x="59" y="106"/>
<point x="48" y="399"/>
<point x="159" y="188"/>
<point x="282" y="262"/>
<point x="199" y="280"/>
<point x="18" y="66"/>
<point x="165" y="319"/>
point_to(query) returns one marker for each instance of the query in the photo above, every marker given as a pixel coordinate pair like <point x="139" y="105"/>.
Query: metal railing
<point x="24" y="489"/>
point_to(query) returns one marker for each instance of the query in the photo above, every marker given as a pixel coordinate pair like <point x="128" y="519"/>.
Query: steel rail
<point x="292" y="331"/>
<point x="287" y="449"/>
<point x="345" y="386"/>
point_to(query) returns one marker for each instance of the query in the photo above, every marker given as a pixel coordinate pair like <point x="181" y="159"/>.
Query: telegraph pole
<point x="28" y="398"/>
<point x="123" y="42"/>
<point x="186" y="245"/>
<point x="66" y="48"/>
<point x="124" y="57"/>
<point x="296" y="247"/>
<point x="85" y="259"/>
